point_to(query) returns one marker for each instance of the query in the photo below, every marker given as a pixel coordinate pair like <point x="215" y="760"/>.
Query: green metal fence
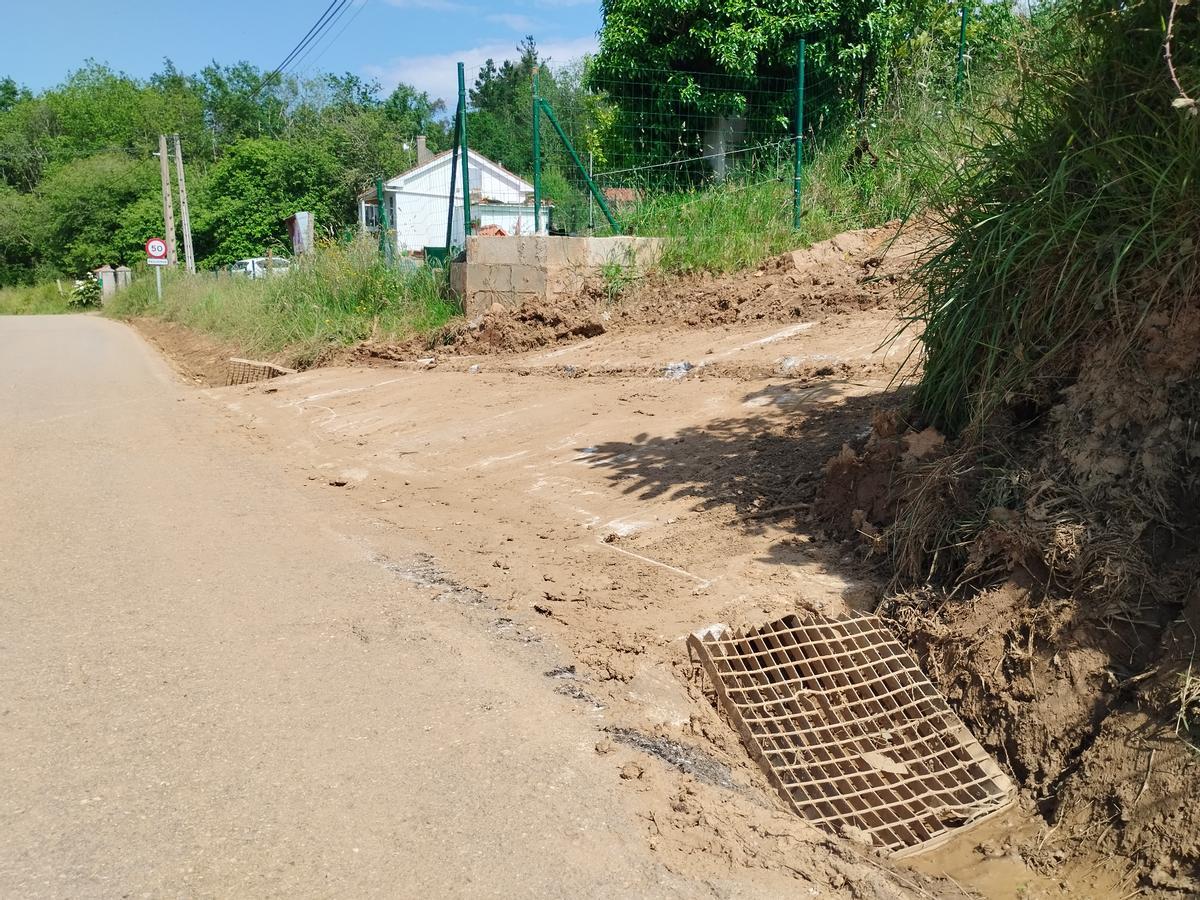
<point x="605" y="153"/>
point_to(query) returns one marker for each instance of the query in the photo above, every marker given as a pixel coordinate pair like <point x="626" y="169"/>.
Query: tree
<point x="79" y="210"/>
<point x="79" y="187"/>
<point x="254" y="188"/>
<point x="500" y="122"/>
<point x="10" y="93"/>
<point x="658" y="56"/>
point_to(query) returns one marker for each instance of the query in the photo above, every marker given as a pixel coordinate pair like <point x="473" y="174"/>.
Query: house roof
<point x="472" y="156"/>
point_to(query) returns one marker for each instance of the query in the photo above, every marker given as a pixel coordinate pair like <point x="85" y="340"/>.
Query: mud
<point x="1049" y="587"/>
<point x="855" y="271"/>
<point x="602" y="478"/>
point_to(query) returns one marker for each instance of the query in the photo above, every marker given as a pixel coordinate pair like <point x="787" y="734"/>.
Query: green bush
<point x="86" y="292"/>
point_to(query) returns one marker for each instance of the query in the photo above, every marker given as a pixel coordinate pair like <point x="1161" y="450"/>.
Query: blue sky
<point x="417" y="41"/>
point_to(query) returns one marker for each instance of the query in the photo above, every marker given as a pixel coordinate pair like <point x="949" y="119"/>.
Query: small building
<point x="417" y="202"/>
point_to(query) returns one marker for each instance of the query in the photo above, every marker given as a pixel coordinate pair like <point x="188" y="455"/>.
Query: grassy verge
<point x="337" y="296"/>
<point x="38" y="299"/>
<point x="746" y="219"/>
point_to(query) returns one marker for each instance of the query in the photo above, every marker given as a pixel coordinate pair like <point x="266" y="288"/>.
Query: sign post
<point x="156" y="255"/>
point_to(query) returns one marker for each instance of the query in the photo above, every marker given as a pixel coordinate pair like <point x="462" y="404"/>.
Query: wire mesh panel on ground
<point x="851" y="732"/>
<point x="247" y="371"/>
<point x="651" y="142"/>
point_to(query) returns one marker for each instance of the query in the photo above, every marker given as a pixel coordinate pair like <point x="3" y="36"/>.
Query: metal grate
<point x="851" y="732"/>
<point x="245" y="371"/>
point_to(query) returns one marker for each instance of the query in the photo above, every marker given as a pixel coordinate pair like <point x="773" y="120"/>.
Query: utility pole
<point x="184" y="215"/>
<point x="164" y="166"/>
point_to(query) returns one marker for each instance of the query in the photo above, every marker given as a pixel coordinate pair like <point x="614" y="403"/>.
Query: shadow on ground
<point x="766" y="465"/>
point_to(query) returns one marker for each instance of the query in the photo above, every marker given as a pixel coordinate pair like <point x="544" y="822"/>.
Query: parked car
<point x="261" y="266"/>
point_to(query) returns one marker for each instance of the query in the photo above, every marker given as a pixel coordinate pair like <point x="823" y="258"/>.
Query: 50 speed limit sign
<point x="156" y="252"/>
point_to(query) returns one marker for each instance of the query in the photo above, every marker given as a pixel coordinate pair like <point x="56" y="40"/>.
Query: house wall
<point x="421" y="221"/>
<point x="418" y="204"/>
<point x="513" y="219"/>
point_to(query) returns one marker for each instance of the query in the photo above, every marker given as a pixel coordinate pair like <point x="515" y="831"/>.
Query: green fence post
<point x="453" y="176"/>
<point x="798" y="171"/>
<point x="385" y="226"/>
<point x="537" y="157"/>
<point x="962" y="49"/>
<point x="579" y="165"/>
<point x="466" y="170"/>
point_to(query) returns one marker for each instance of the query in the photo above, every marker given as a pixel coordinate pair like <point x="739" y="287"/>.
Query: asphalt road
<point x="209" y="688"/>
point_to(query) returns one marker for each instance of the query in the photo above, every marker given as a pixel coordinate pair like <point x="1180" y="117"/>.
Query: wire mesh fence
<point x="647" y="142"/>
<point x="651" y="152"/>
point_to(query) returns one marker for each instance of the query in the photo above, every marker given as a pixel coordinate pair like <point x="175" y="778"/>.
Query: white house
<point x="418" y="201"/>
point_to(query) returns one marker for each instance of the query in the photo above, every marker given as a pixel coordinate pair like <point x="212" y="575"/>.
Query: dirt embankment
<point x="198" y="357"/>
<point x="854" y="271"/>
<point x="1066" y="564"/>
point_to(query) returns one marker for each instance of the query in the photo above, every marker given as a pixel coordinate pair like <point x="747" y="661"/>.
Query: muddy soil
<point x="856" y="271"/>
<point x="609" y="476"/>
<point x="1062" y="624"/>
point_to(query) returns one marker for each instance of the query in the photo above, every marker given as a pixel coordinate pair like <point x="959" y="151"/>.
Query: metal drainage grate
<point x="851" y="732"/>
<point x="245" y="371"/>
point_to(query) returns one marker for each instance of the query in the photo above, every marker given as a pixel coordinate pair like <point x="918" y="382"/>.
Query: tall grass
<point x="334" y="297"/>
<point x="1078" y="214"/>
<point x="749" y="217"/>
<point x="37" y="299"/>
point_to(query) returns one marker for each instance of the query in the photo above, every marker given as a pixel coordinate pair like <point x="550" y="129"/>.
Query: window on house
<point x="371" y="215"/>
<point x="476" y="176"/>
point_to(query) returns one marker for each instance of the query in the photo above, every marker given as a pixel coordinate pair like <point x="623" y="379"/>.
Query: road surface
<point x="209" y="686"/>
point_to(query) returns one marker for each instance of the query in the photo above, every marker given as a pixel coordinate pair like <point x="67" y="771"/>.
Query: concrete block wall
<point x="513" y="270"/>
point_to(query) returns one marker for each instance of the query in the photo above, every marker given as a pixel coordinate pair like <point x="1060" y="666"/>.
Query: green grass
<point x="38" y="299"/>
<point x="335" y="297"/>
<point x="1077" y="216"/>
<point x="749" y="217"/>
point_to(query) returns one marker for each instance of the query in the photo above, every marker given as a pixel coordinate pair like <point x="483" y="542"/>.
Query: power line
<point x="334" y="39"/>
<point x="309" y="36"/>
<point x="332" y="11"/>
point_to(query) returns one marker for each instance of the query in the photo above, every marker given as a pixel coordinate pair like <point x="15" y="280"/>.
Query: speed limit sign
<point x="156" y="252"/>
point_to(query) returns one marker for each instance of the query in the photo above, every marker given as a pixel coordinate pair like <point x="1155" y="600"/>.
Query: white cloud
<point x="523" y="24"/>
<point x="437" y="74"/>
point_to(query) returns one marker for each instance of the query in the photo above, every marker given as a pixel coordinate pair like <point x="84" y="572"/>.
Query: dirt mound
<point x="855" y="270"/>
<point x="1048" y="581"/>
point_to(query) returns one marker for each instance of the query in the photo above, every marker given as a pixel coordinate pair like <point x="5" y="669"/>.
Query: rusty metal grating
<point x="245" y="371"/>
<point x="851" y="732"/>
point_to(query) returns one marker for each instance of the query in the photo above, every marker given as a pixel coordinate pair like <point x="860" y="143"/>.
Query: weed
<point x="1077" y="213"/>
<point x="38" y="299"/>
<point x="1187" y="703"/>
<point x="617" y="276"/>
<point x="338" y="295"/>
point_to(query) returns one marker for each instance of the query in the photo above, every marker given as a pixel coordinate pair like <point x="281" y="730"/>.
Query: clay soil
<point x="602" y="477"/>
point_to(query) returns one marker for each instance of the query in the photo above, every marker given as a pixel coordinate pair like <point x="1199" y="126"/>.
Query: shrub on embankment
<point x="334" y="297"/>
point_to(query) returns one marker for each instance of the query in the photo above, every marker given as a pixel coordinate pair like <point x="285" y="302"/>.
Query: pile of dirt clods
<point x="1048" y="575"/>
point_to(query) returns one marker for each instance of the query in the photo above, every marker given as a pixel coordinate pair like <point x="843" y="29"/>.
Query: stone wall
<point x="512" y="270"/>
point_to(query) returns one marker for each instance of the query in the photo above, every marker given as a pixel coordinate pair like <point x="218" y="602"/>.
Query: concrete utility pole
<point x="189" y="258"/>
<point x="164" y="165"/>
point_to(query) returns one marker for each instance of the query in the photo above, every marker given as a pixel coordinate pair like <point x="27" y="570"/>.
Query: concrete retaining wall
<point x="511" y="270"/>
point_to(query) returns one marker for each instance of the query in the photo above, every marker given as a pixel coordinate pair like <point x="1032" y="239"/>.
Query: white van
<point x="261" y="266"/>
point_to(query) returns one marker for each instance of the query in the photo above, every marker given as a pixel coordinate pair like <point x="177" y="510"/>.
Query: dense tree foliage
<point x="79" y="184"/>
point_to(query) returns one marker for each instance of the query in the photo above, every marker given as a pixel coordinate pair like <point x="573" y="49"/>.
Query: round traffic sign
<point x="156" y="248"/>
